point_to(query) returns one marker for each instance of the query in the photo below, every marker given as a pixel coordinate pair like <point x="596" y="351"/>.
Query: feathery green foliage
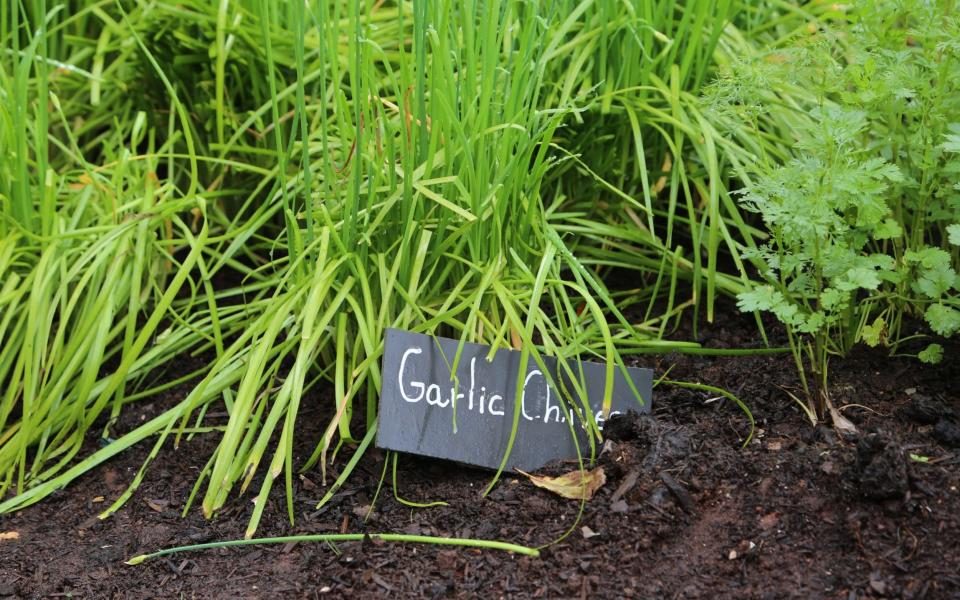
<point x="860" y="213"/>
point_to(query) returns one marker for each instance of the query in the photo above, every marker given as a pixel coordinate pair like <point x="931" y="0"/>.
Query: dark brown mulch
<point x="685" y="512"/>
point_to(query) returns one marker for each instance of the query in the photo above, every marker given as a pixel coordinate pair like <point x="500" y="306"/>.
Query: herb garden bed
<point x="213" y="214"/>
<point x="685" y="512"/>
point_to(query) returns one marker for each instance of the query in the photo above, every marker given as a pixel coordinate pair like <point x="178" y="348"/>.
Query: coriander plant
<point x="863" y="213"/>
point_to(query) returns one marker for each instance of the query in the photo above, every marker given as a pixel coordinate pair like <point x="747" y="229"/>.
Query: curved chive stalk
<point x="345" y="537"/>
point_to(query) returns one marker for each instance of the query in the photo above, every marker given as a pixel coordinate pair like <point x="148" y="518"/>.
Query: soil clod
<point x="627" y="427"/>
<point x="882" y="467"/>
<point x="947" y="433"/>
<point x="925" y="410"/>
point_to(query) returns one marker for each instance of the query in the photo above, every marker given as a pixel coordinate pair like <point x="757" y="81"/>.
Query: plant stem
<point x="345" y="537"/>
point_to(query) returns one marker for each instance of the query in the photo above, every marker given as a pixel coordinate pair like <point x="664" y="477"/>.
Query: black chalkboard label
<point x="419" y="398"/>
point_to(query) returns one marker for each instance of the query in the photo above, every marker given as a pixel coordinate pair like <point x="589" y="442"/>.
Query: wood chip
<point x="625" y="486"/>
<point x="679" y="491"/>
<point x="382" y="583"/>
<point x="9" y="535"/>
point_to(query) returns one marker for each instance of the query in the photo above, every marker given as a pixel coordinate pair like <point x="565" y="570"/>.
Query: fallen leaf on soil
<point x="575" y="485"/>
<point x="840" y="422"/>
<point x="9" y="535"/>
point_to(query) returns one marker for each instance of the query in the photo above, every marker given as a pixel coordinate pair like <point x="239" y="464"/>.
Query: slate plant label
<point x="418" y="396"/>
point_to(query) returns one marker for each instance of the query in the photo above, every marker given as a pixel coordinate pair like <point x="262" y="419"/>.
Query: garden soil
<point x="686" y="512"/>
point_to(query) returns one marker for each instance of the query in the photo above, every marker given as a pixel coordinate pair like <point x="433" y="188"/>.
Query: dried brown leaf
<point x="841" y="423"/>
<point x="575" y="485"/>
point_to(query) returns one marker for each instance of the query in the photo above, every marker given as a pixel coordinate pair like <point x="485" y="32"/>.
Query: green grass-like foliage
<point x="259" y="189"/>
